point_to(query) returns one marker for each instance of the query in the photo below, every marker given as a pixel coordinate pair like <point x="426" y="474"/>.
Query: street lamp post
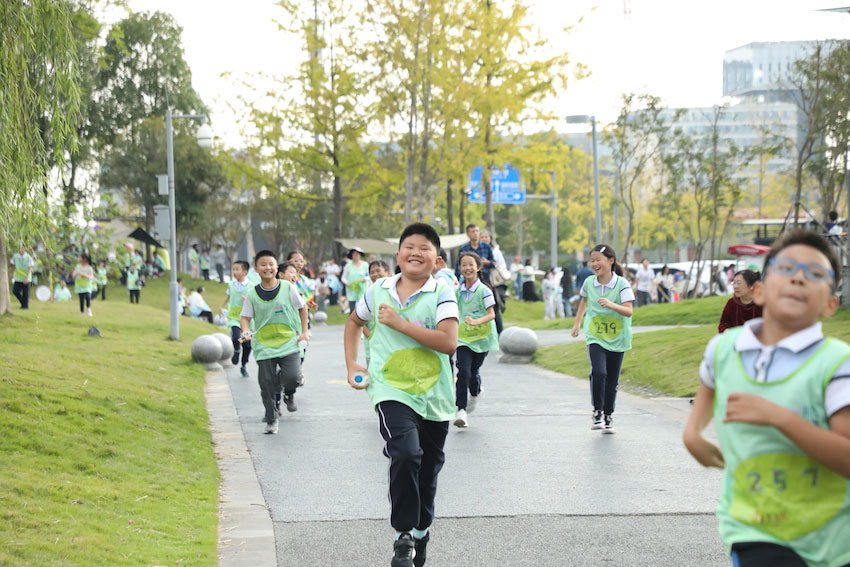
<point x="204" y="136"/>
<point x="584" y="119"/>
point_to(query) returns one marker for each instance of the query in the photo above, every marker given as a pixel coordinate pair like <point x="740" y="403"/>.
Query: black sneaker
<point x="419" y="546"/>
<point x="234" y="360"/>
<point x="609" y="425"/>
<point x="403" y="551"/>
<point x="597" y="419"/>
<point x="245" y="374"/>
<point x="289" y="400"/>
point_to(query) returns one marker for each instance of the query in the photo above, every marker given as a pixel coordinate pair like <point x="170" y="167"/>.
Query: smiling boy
<point x="780" y="394"/>
<point x="410" y="384"/>
<point x="280" y="322"/>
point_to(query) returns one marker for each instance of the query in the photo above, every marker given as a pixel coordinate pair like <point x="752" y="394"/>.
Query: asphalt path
<point x="528" y="483"/>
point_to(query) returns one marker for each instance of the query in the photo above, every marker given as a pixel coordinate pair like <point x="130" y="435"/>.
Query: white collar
<point x="392" y="282"/>
<point x="798" y="342"/>
<point x="610" y="283"/>
<point x="474" y="286"/>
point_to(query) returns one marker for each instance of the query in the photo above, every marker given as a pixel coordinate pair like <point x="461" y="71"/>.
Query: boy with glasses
<point x="779" y="393"/>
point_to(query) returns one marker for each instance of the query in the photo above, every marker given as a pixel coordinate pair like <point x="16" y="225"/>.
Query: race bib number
<point x="606" y="327"/>
<point x="786" y="496"/>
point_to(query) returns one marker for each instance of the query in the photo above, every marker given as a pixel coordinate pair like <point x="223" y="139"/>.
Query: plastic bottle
<point x="361" y="378"/>
<point x="303" y="344"/>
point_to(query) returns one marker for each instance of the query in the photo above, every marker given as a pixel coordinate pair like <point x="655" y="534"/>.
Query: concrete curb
<point x="245" y="531"/>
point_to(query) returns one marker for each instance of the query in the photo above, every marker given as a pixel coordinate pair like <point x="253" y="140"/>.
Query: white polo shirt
<point x="486" y="294"/>
<point x="765" y="363"/>
<point x="626" y="293"/>
<point x="446" y="303"/>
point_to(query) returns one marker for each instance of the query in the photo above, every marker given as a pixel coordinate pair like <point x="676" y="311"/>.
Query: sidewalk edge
<point x="245" y="531"/>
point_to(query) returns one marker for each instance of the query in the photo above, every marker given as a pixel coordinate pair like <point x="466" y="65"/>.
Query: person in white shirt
<point x="198" y="306"/>
<point x="644" y="277"/>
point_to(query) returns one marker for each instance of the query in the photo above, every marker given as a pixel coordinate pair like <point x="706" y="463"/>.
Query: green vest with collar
<point x="603" y="326"/>
<point x="478" y="338"/>
<point x="403" y="370"/>
<point x="102" y="276"/>
<point x="772" y="491"/>
<point x="277" y="324"/>
<point x="356" y="289"/>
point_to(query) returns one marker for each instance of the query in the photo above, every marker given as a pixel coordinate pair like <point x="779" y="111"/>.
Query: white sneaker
<point x="89" y="313"/>
<point x="460" y="419"/>
<point x="473" y="401"/>
<point x="271" y="428"/>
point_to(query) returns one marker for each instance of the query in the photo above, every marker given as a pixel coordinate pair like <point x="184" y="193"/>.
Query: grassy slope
<point x="664" y="362"/>
<point x="156" y="293"/>
<point x="106" y="457"/>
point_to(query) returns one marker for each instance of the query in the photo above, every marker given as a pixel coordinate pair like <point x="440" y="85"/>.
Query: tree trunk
<point x="461" y="204"/>
<point x="490" y="216"/>
<point x="449" y="208"/>
<point x="337" y="226"/>
<point x="5" y="294"/>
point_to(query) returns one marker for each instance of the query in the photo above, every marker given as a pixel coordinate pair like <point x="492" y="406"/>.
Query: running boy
<point x="410" y="383"/>
<point x="235" y="294"/>
<point x="476" y="334"/>
<point x="280" y="322"/>
<point x="607" y="299"/>
<point x="779" y="393"/>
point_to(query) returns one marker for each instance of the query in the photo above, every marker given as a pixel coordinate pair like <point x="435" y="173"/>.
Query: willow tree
<point x="39" y="77"/>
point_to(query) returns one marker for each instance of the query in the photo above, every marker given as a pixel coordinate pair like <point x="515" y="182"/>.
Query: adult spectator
<point x="195" y="262"/>
<point x="644" y="277"/>
<point x="583" y="273"/>
<point x="664" y="285"/>
<point x="829" y="225"/>
<point x="489" y="264"/>
<point x="529" y="291"/>
<point x="220" y="261"/>
<point x="516" y="276"/>
<point x="567" y="289"/>
<point x="484" y="251"/>
<point x="198" y="306"/>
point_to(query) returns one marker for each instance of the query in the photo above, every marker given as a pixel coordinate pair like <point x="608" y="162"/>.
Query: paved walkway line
<point x="245" y="531"/>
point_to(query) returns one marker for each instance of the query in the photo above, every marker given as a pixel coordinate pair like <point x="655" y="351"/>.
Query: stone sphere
<point x="506" y="334"/>
<point x="320" y="317"/>
<point x="226" y="345"/>
<point x="522" y="341"/>
<point x="206" y="349"/>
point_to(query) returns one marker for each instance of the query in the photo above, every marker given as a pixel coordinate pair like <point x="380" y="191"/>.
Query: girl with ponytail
<point x="606" y="299"/>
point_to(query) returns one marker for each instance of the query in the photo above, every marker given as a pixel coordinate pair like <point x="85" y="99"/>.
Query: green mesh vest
<point x="22" y="267"/>
<point x="401" y="369"/>
<point x="772" y="491"/>
<point x="356" y="289"/>
<point x="83" y="284"/>
<point x="603" y="326"/>
<point x="479" y="338"/>
<point x="234" y="301"/>
<point x="277" y="324"/>
<point x="132" y="280"/>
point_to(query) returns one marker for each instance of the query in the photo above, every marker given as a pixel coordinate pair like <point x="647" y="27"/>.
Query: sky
<point x="669" y="48"/>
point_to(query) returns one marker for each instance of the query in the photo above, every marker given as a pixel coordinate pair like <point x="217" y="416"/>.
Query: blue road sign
<point x="504" y="185"/>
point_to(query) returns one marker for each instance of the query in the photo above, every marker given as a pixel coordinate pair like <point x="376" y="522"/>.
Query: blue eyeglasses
<point x="813" y="272"/>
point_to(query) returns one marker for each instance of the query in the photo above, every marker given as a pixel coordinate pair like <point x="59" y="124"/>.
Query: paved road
<point x="527" y="484"/>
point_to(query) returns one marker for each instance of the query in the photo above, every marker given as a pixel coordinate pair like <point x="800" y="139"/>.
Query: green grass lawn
<point x="106" y="457"/>
<point x="662" y="363"/>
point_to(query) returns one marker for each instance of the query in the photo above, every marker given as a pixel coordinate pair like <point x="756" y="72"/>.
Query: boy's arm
<point x="245" y="324"/>
<point x="351" y="343"/>
<point x="831" y="448"/>
<point x="303" y="313"/>
<point x="442" y="339"/>
<point x="226" y="300"/>
<point x="707" y="453"/>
